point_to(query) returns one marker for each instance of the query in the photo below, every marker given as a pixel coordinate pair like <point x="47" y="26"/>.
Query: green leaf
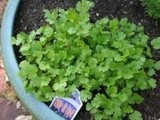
<point x="117" y="112"/>
<point x="44" y="80"/>
<point x="20" y="39"/>
<point x="86" y="95"/>
<point x="142" y="84"/>
<point x="101" y="24"/>
<point x="24" y="48"/>
<point x="113" y="24"/>
<point x="51" y="55"/>
<point x="152" y="83"/>
<point x="112" y="91"/>
<point x="50" y="95"/>
<point x="89" y="106"/>
<point x="43" y="65"/>
<point x="123" y="21"/>
<point x="127" y="91"/>
<point x="149" y="63"/>
<point x="151" y="71"/>
<point x="156" y="43"/>
<point x="127" y="109"/>
<point x="157" y="65"/>
<point x="137" y="98"/>
<point x="135" y="116"/>
<point x="72" y="15"/>
<point x="32" y="36"/>
<point x="71" y="30"/>
<point x="51" y="17"/>
<point x="84" y="6"/>
<point x="27" y="69"/>
<point x="130" y="83"/>
<point x="60" y="86"/>
<point x="98" y="116"/>
<point x="48" y="32"/>
<point x="122" y="97"/>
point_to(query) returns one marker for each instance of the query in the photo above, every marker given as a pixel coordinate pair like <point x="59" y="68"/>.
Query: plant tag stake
<point x="67" y="107"/>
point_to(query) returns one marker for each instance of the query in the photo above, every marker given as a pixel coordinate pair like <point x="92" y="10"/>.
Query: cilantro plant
<point x="152" y="8"/>
<point x="109" y="61"/>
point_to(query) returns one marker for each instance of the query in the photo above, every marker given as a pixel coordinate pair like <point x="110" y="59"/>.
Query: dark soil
<point x="30" y="17"/>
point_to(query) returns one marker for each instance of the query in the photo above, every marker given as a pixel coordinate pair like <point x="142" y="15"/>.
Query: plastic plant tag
<point x="67" y="107"/>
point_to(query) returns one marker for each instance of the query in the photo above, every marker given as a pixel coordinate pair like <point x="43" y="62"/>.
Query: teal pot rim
<point x="38" y="109"/>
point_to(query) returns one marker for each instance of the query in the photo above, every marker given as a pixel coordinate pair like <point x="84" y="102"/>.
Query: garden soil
<point x="30" y="17"/>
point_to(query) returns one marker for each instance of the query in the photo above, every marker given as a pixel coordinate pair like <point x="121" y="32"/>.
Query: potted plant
<point x="108" y="60"/>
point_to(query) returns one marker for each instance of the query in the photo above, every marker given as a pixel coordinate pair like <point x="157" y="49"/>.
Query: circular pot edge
<point x="38" y="109"/>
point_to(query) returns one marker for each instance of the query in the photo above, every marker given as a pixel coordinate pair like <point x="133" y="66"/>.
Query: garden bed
<point x="30" y="17"/>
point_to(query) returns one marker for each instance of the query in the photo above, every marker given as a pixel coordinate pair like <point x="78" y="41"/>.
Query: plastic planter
<point x="38" y="109"/>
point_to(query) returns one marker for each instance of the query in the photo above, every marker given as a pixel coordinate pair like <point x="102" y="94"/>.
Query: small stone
<point x="131" y="2"/>
<point x="23" y="117"/>
<point x="97" y="14"/>
<point x="18" y="104"/>
<point x="124" y="12"/>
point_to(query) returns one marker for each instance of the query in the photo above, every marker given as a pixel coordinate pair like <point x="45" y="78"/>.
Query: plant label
<point x="67" y="107"/>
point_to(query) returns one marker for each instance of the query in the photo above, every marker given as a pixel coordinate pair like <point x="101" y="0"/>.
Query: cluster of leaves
<point x="152" y="8"/>
<point x="108" y="61"/>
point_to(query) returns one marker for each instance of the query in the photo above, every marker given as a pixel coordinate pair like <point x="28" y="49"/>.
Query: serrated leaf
<point x="98" y="116"/>
<point x="86" y="95"/>
<point x="117" y="112"/>
<point x="123" y="21"/>
<point x="51" y="55"/>
<point x="122" y="97"/>
<point x="24" y="48"/>
<point x="156" y="43"/>
<point x="157" y="65"/>
<point x="151" y="71"/>
<point x="152" y="83"/>
<point x="135" y="116"/>
<point x="26" y="69"/>
<point x="149" y="63"/>
<point x="84" y="6"/>
<point x="48" y="31"/>
<point x="142" y="84"/>
<point x="43" y="65"/>
<point x="112" y="91"/>
<point x="44" y="80"/>
<point x="31" y="36"/>
<point x="20" y="39"/>
<point x="71" y="30"/>
<point x="127" y="109"/>
<point x="59" y="86"/>
<point x="89" y="106"/>
<point x="51" y="16"/>
<point x="49" y="95"/>
<point x="101" y="24"/>
<point x="137" y="98"/>
<point x="113" y="24"/>
<point x="72" y="15"/>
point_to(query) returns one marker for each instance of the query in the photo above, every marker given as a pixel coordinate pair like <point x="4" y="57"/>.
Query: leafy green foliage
<point x="106" y="60"/>
<point x="152" y="8"/>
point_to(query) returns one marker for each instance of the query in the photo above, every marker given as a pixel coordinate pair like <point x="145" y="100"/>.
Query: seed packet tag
<point x="67" y="108"/>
